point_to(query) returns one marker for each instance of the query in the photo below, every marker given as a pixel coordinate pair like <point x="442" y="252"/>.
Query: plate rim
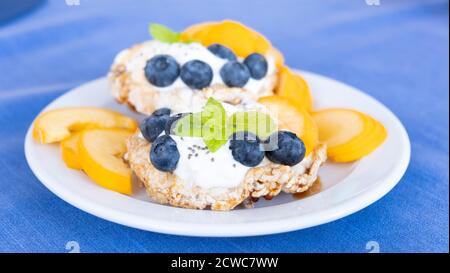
<point x="342" y="209"/>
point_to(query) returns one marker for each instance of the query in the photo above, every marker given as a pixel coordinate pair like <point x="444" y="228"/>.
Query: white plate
<point x="347" y="188"/>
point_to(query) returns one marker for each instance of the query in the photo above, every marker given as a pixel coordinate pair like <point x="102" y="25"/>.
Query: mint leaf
<point x="213" y="126"/>
<point x="214" y="109"/>
<point x="214" y="144"/>
<point x="190" y="125"/>
<point x="164" y="34"/>
<point x="214" y="130"/>
<point x="215" y="133"/>
<point x="189" y="41"/>
<point x="258" y="123"/>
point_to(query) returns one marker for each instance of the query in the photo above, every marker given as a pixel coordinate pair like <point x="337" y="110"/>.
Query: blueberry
<point x="196" y="74"/>
<point x="161" y="112"/>
<point x="222" y="52"/>
<point x="152" y="126"/>
<point x="164" y="154"/>
<point x="245" y="148"/>
<point x="162" y="70"/>
<point x="235" y="74"/>
<point x="289" y="149"/>
<point x="169" y="125"/>
<point x="257" y="65"/>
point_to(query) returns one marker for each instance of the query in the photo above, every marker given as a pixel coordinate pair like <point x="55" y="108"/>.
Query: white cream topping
<point x="205" y="169"/>
<point x="216" y="170"/>
<point x="184" y="53"/>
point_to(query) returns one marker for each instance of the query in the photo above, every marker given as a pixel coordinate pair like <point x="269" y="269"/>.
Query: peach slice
<point x="377" y="137"/>
<point x="277" y="55"/>
<point x="294" y="119"/>
<point x="56" y="125"/>
<point x="349" y="134"/>
<point x="101" y="152"/>
<point x="338" y="126"/>
<point x="234" y="35"/>
<point x="369" y="127"/>
<point x="198" y="31"/>
<point x="69" y="151"/>
<point x="295" y="88"/>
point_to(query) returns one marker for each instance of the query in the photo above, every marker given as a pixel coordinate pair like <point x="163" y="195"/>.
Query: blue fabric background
<point x="396" y="52"/>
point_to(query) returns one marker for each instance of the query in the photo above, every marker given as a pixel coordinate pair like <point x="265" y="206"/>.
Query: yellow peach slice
<point x="101" y="152"/>
<point x="197" y="32"/>
<point x="338" y="126"/>
<point x="312" y="135"/>
<point x="234" y="35"/>
<point x="349" y="134"/>
<point x="241" y="39"/>
<point x="378" y="136"/>
<point x="56" y="125"/>
<point x="294" y="119"/>
<point x="369" y="128"/>
<point x="277" y="55"/>
<point x="293" y="87"/>
<point x="69" y="151"/>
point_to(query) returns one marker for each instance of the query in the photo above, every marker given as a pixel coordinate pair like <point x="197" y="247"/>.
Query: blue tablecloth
<point x="396" y="51"/>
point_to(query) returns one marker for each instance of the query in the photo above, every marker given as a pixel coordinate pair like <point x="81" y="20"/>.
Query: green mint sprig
<point x="166" y="35"/>
<point x="213" y="125"/>
<point x="258" y="123"/>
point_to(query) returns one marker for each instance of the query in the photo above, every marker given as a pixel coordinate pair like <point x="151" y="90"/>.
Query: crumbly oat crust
<point x="265" y="181"/>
